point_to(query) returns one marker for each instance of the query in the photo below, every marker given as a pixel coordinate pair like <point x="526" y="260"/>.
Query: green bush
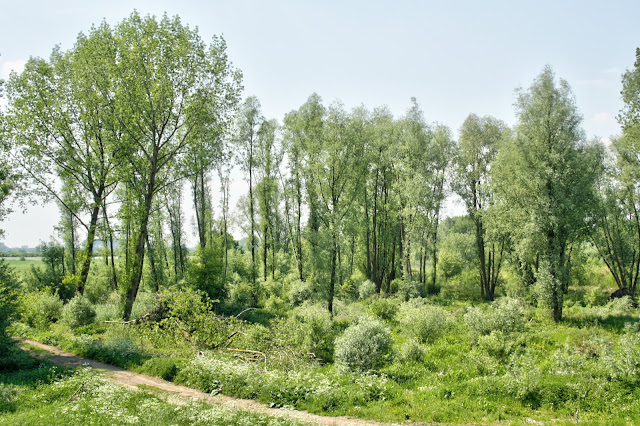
<point x="384" y="308"/>
<point x="595" y="297"/>
<point x="204" y="272"/>
<point x="366" y="289"/>
<point x="300" y="292"/>
<point x="363" y="347"/>
<point x="423" y="322"/>
<point x="39" y="309"/>
<point x="165" y="368"/>
<point x="411" y="351"/>
<point x="503" y="315"/>
<point x="408" y="289"/>
<point x="8" y="299"/>
<point x="78" y="312"/>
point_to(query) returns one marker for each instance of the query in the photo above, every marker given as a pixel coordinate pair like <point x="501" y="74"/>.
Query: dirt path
<point x="177" y="394"/>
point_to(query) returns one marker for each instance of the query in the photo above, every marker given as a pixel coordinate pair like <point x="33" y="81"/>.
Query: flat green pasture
<point x="22" y="266"/>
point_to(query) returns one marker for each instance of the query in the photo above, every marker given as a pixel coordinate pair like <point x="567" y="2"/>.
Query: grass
<point x="47" y="394"/>
<point x="498" y="364"/>
<point x="23" y="266"/>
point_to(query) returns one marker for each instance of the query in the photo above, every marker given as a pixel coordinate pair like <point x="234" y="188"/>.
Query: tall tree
<point x="616" y="233"/>
<point x="163" y="85"/>
<point x="545" y="178"/>
<point x="334" y="171"/>
<point x="62" y="130"/>
<point x="269" y="157"/>
<point x="480" y="138"/>
<point x="248" y="124"/>
<point x="378" y="202"/>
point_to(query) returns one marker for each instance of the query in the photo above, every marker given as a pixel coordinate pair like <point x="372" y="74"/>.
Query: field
<point x="21" y="266"/>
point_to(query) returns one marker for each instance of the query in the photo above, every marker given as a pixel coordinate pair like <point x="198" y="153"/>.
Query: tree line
<point x="112" y="128"/>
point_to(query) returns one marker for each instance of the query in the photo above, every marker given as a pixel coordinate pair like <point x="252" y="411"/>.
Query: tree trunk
<point x="88" y="251"/>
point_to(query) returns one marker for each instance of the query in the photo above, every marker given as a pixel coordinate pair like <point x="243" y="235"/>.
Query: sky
<point x="455" y="57"/>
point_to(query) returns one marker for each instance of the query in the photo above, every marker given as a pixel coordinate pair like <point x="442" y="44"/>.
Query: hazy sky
<point x="455" y="57"/>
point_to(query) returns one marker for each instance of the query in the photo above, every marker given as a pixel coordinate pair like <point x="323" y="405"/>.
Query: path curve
<point x="134" y="380"/>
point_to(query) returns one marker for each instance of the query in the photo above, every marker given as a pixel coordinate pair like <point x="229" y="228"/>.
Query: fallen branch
<point x="254" y="353"/>
<point x="248" y="309"/>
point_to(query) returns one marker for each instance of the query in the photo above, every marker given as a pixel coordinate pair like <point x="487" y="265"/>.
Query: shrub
<point x="165" y="368"/>
<point x="78" y="312"/>
<point x="595" y="297"/>
<point x="363" y="347"/>
<point x="39" y="309"/>
<point x="300" y="292"/>
<point x="366" y="289"/>
<point x="8" y="298"/>
<point x="316" y="331"/>
<point x="204" y="272"/>
<point x="408" y="289"/>
<point x="424" y="322"/>
<point x="411" y="351"/>
<point x="383" y="308"/>
<point x="503" y="315"/>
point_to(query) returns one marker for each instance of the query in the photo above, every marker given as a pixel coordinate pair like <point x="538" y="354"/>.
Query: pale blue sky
<point x="456" y="57"/>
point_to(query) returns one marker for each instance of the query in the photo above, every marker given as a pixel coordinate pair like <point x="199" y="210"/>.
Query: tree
<point x="61" y="129"/>
<point x="616" y="232"/>
<point x="480" y="138"/>
<point x="379" y="205"/>
<point x="269" y="157"/>
<point x="333" y="169"/>
<point x="544" y="182"/>
<point x="248" y="124"/>
<point x="164" y="87"/>
<point x="616" y="224"/>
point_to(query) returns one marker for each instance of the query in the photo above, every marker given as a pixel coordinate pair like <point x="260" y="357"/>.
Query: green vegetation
<point x="350" y="294"/>
<point x="83" y="396"/>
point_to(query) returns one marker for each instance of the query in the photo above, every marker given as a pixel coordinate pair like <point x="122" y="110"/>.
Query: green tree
<point x="478" y="145"/>
<point x="616" y="232"/>
<point x="164" y="86"/>
<point x="333" y="167"/>
<point x="61" y="129"/>
<point x="544" y="182"/>
<point x="248" y="125"/>
<point x="269" y="158"/>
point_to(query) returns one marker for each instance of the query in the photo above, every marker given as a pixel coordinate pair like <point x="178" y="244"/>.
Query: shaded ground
<point x="177" y="394"/>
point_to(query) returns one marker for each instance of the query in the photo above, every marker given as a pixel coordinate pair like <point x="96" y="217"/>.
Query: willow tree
<point x="62" y="130"/>
<point x="478" y="145"/>
<point x="245" y="139"/>
<point x="334" y="171"/>
<point x="544" y="179"/>
<point x="164" y="86"/>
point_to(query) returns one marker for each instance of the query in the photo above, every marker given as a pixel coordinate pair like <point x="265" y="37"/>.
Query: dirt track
<point x="180" y="394"/>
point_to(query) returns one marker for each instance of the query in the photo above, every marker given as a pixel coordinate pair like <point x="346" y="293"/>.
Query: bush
<point x="39" y="309"/>
<point x="383" y="308"/>
<point x="300" y="292"/>
<point x="165" y="368"/>
<point x="366" y="289"/>
<point x="595" y="297"/>
<point x="78" y="312"/>
<point x="503" y="315"/>
<point x="363" y="347"/>
<point x="411" y="351"/>
<point x="8" y="298"/>
<point x="204" y="272"/>
<point x="424" y="322"/>
<point x="408" y="289"/>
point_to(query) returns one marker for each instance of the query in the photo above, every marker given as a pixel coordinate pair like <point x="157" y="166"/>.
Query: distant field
<point x="22" y="266"/>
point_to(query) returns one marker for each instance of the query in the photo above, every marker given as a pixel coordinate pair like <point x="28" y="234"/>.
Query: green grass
<point x="585" y="366"/>
<point x="45" y="394"/>
<point x="22" y="266"/>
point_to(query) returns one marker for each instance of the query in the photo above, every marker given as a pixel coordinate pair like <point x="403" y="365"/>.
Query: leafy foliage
<point x="364" y="346"/>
